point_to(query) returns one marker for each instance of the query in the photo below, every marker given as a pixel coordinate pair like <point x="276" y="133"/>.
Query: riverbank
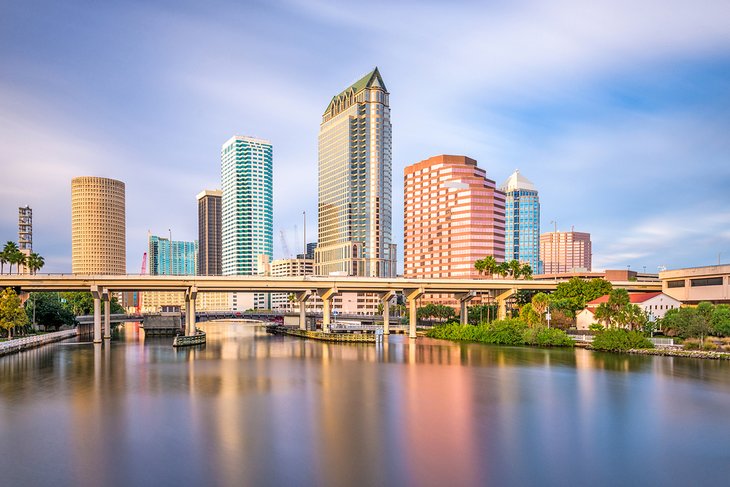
<point x="668" y="352"/>
<point x="26" y="343"/>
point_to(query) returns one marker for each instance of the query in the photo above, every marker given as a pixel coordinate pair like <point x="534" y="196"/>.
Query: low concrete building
<point x="655" y="304"/>
<point x="696" y="284"/>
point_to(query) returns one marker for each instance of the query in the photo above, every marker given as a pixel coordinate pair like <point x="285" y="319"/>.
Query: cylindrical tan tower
<point x="98" y="226"/>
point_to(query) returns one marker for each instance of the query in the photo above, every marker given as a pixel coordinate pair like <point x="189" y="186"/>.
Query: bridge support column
<point x="302" y="298"/>
<point x="106" y="296"/>
<point x="96" y="294"/>
<point x="385" y="300"/>
<point x="463" y="299"/>
<point x="412" y="295"/>
<point x="190" y="296"/>
<point x="326" y="295"/>
<point x="502" y="303"/>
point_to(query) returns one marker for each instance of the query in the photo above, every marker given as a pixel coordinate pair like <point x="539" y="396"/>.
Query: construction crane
<point x="284" y="245"/>
<point x="143" y="272"/>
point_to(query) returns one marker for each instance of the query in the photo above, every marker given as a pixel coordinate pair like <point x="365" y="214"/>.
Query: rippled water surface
<point x="255" y="409"/>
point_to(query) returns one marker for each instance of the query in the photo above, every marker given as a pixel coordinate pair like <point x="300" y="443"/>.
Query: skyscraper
<point x="98" y="226"/>
<point x="453" y="216"/>
<point x="355" y="183"/>
<point x="176" y="258"/>
<point x="210" y="245"/>
<point x="566" y="252"/>
<point x="247" y="204"/>
<point x="522" y="221"/>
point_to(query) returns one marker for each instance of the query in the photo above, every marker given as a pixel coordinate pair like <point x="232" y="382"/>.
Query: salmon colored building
<point x="453" y="216"/>
<point x="566" y="252"/>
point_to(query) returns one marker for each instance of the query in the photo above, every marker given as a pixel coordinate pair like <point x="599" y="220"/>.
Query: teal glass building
<point x="522" y="221"/>
<point x="178" y="259"/>
<point x="247" y="205"/>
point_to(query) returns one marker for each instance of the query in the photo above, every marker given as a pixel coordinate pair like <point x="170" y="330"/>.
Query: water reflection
<point x="251" y="408"/>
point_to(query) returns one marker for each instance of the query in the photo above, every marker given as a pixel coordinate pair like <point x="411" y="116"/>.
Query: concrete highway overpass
<point x="302" y="287"/>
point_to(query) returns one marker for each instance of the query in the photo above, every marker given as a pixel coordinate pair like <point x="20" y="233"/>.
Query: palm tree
<point x="35" y="262"/>
<point x="17" y="258"/>
<point x="514" y="268"/>
<point x="8" y="251"/>
<point x="526" y="271"/>
<point x="502" y="269"/>
<point x="490" y="265"/>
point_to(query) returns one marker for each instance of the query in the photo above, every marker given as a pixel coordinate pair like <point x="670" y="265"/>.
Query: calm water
<point x="254" y="409"/>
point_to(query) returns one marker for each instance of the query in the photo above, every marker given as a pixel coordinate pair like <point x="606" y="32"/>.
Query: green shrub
<point x="618" y="339"/>
<point x="596" y="327"/>
<point x="710" y="346"/>
<point x="503" y="332"/>
<point x="547" y="337"/>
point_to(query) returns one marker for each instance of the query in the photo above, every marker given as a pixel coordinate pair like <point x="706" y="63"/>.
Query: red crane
<point x="139" y="293"/>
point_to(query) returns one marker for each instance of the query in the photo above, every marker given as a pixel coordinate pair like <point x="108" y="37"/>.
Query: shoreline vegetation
<point x="515" y="332"/>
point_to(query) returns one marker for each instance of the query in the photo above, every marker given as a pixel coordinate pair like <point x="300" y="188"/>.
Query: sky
<point x="618" y="111"/>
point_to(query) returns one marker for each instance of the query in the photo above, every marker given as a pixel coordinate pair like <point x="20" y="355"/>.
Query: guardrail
<point x="25" y="343"/>
<point x="657" y="341"/>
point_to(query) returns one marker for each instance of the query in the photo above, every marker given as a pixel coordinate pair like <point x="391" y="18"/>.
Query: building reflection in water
<point x="251" y="408"/>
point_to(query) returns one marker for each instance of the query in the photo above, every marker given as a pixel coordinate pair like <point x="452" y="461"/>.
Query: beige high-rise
<point x="565" y="252"/>
<point x="98" y="226"/>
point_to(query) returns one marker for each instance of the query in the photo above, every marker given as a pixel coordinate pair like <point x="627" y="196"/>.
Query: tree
<point x="529" y="315"/>
<point x="480" y="313"/>
<point x="49" y="311"/>
<point x="573" y="295"/>
<point x="688" y="323"/>
<point x="526" y="271"/>
<point x="540" y="303"/>
<point x="614" y="312"/>
<point x="502" y="269"/>
<point x="487" y="265"/>
<point x="18" y="258"/>
<point x="35" y="262"/>
<point x="12" y="313"/>
<point x="515" y="268"/>
<point x="720" y="320"/>
<point x="8" y="253"/>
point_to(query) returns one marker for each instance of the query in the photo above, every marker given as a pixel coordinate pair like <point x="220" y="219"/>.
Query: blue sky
<point x="618" y="111"/>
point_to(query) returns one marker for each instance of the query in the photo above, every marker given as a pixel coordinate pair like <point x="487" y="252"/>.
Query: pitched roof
<point x="634" y="298"/>
<point x="373" y="78"/>
<point x="517" y="181"/>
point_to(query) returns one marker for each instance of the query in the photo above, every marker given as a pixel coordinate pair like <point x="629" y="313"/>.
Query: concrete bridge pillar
<point x="96" y="294"/>
<point x="190" y="296"/>
<point x="411" y="296"/>
<point x="106" y="297"/>
<point x="502" y="303"/>
<point x="385" y="299"/>
<point x="326" y="295"/>
<point x="463" y="299"/>
<point x="302" y="298"/>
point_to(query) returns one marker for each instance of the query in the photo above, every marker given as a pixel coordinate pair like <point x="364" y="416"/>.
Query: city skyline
<point x="627" y="118"/>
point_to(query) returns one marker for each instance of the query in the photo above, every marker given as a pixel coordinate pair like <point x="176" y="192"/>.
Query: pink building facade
<point x="566" y="252"/>
<point x="453" y="216"/>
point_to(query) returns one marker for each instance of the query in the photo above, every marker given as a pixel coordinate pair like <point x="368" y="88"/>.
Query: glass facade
<point x="522" y="222"/>
<point x="180" y="259"/>
<point x="247" y="205"/>
<point x="355" y="183"/>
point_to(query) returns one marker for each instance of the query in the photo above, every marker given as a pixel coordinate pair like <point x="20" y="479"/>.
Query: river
<point x="254" y="409"/>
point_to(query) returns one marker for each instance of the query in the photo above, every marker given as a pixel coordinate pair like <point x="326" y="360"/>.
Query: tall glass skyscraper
<point x="522" y="221"/>
<point x="247" y="205"/>
<point x="355" y="183"/>
<point x="178" y="259"/>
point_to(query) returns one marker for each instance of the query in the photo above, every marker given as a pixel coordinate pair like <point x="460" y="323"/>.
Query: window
<point x="709" y="281"/>
<point x="674" y="284"/>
